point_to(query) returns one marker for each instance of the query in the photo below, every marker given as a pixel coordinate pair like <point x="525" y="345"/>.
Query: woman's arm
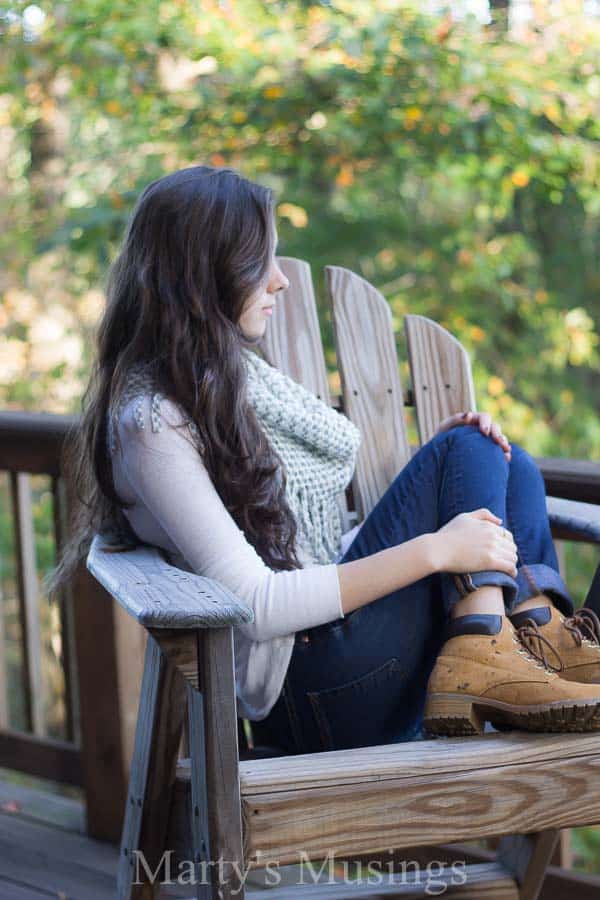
<point x="470" y="542"/>
<point x="364" y="580"/>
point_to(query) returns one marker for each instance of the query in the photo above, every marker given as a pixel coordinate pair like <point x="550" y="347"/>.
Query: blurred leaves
<point x="455" y="169"/>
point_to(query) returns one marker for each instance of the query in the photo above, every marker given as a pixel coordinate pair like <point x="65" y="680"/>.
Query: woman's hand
<point x="474" y="542"/>
<point x="486" y="426"/>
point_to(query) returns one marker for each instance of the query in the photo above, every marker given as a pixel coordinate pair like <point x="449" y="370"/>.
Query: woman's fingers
<point x="496" y="433"/>
<point x="486" y="514"/>
<point x="508" y="542"/>
<point x="485" y="422"/>
<point x="505" y="560"/>
<point x="493" y="430"/>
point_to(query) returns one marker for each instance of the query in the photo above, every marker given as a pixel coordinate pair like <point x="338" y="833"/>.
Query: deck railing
<point x="70" y="671"/>
<point x="98" y="651"/>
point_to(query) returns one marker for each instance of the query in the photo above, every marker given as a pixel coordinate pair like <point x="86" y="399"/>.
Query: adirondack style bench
<point x="251" y="807"/>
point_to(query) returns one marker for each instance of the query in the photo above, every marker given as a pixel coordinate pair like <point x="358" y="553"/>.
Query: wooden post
<point x="217" y="682"/>
<point x="527" y="856"/>
<point x="109" y="648"/>
<point x="157" y="738"/>
<point x="102" y="758"/>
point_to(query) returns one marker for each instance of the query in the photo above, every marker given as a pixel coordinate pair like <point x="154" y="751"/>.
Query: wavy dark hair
<point x="199" y="243"/>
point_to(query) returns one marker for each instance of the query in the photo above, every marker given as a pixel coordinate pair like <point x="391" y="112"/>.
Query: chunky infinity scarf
<point x="317" y="446"/>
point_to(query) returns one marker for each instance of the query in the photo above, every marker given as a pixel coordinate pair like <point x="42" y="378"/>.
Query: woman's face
<point x="261" y="304"/>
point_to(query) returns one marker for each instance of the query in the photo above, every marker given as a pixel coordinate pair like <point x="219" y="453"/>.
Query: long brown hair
<point x="198" y="244"/>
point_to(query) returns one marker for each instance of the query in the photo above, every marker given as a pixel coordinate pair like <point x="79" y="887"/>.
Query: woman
<point x="444" y="608"/>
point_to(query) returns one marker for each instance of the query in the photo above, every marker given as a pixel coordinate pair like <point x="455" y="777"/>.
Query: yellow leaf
<point x="296" y="214"/>
<point x="345" y="176"/>
<point x="496" y="386"/>
<point x="273" y="92"/>
<point x="413" y="114"/>
<point x="520" y="178"/>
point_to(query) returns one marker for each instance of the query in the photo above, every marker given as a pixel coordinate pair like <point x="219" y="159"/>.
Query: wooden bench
<point x="250" y="806"/>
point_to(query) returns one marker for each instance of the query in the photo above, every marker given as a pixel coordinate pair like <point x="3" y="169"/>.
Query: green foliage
<point x="456" y="170"/>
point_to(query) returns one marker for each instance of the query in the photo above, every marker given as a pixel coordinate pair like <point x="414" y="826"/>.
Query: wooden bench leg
<point x="157" y="738"/>
<point x="198" y="814"/>
<point x="527" y="856"/>
<point x="214" y="738"/>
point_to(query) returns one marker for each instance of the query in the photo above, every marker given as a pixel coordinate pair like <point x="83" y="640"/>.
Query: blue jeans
<point x="361" y="679"/>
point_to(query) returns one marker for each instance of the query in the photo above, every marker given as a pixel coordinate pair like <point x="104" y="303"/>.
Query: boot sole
<point x="463" y="714"/>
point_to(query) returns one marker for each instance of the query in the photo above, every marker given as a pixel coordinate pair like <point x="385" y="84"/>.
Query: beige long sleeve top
<point x="177" y="507"/>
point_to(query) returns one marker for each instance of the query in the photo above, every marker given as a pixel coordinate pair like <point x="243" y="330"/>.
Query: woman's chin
<point x="254" y="336"/>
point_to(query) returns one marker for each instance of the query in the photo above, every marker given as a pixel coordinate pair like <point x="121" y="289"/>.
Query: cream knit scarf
<point x="317" y="445"/>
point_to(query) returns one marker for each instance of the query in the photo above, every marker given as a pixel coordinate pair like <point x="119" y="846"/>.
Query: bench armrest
<point x="574" y="521"/>
<point x="160" y="595"/>
<point x="572" y="479"/>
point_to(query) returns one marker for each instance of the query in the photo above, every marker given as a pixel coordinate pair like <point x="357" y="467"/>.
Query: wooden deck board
<point x="41" y="860"/>
<point x="11" y="890"/>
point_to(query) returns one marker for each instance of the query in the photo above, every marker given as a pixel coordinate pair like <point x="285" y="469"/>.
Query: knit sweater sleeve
<point x="169" y="479"/>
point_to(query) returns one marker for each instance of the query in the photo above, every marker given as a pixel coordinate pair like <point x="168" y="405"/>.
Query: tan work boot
<point x="575" y="638"/>
<point x="484" y="673"/>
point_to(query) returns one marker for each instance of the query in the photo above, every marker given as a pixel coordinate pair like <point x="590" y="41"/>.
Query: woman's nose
<point x="279" y="282"/>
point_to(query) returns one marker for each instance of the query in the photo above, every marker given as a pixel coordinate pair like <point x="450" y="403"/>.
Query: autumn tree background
<point x="451" y="161"/>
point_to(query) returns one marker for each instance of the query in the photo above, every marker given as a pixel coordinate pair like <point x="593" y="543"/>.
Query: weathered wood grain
<point x="417" y="793"/>
<point x="181" y="649"/>
<point x="27" y="581"/>
<point x="160" y="595"/>
<point x="373" y="399"/>
<point x="158" y="733"/>
<point x="574" y="479"/>
<point x="292" y="343"/>
<point x="440" y="367"/>
<point x="65" y="600"/>
<point x="292" y="340"/>
<point x="527" y="857"/>
<point x="573" y="520"/>
<point x="217" y="683"/>
<point x="424" y="809"/>
<point x="483" y="881"/>
<point x="440" y="756"/>
<point x="149" y="702"/>
<point x="198" y="807"/>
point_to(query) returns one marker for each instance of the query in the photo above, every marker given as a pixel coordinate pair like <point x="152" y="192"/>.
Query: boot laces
<point x="584" y="620"/>
<point x="532" y="640"/>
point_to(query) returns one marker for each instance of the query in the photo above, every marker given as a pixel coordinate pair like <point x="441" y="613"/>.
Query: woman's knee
<point x="471" y="434"/>
<point x="523" y="463"/>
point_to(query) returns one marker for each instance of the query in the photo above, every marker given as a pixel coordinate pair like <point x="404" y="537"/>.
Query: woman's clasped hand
<point x="484" y="421"/>
<point x="476" y="542"/>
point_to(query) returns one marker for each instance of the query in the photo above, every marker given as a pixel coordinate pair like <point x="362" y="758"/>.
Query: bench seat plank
<point x="376" y="809"/>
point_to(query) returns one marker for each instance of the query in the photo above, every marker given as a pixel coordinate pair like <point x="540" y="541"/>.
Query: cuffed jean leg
<point x="475" y="475"/>
<point x="527" y="519"/>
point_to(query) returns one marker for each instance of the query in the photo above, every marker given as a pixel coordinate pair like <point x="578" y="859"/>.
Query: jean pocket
<point x="327" y="629"/>
<point x="361" y="712"/>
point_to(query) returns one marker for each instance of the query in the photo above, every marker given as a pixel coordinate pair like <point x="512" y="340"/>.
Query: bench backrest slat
<point x="371" y="387"/>
<point x="292" y="342"/>
<point x="442" y="381"/>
